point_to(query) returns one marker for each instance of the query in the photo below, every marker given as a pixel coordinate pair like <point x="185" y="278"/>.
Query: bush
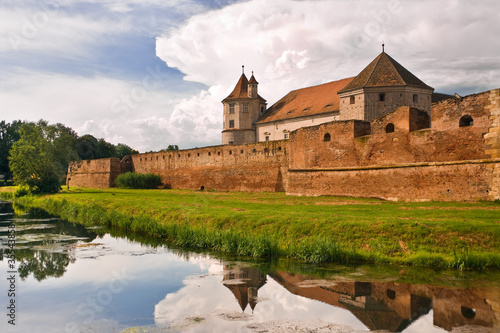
<point x="138" y="181"/>
<point x="21" y="191"/>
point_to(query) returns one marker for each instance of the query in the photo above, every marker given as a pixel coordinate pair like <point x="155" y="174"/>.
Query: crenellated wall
<point x="404" y="155"/>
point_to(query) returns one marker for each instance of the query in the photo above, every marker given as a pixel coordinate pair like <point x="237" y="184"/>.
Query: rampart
<point x="404" y="155"/>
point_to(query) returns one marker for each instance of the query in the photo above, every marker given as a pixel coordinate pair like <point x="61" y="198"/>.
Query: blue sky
<point x="150" y="73"/>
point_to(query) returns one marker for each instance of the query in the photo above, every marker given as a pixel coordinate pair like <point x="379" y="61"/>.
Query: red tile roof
<point x="384" y="71"/>
<point x="306" y="102"/>
<point x="241" y="89"/>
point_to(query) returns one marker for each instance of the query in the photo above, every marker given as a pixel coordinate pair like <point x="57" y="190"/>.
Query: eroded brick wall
<point x="99" y="173"/>
<point x="253" y="167"/>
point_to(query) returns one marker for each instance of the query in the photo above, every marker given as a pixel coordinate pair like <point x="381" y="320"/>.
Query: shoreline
<point x="465" y="236"/>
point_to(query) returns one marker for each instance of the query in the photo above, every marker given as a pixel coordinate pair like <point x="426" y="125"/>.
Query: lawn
<point x="465" y="235"/>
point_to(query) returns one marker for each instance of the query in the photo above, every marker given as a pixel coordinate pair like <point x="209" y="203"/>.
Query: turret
<point x="241" y="109"/>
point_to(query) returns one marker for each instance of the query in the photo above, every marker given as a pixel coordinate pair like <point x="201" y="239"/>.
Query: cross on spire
<point x="383" y="46"/>
<point x="243" y="69"/>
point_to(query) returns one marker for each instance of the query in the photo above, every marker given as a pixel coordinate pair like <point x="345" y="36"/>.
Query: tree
<point x="123" y="150"/>
<point x="9" y="133"/>
<point x="33" y="162"/>
<point x="173" y="147"/>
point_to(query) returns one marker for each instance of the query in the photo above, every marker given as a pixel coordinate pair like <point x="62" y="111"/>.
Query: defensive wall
<point x="405" y="155"/>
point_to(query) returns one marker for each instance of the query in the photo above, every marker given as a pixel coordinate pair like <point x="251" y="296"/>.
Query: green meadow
<point x="462" y="235"/>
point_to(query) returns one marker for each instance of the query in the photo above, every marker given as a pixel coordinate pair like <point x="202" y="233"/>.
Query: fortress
<point x="383" y="133"/>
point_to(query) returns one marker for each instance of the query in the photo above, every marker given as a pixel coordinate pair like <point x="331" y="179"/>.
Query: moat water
<point x="69" y="278"/>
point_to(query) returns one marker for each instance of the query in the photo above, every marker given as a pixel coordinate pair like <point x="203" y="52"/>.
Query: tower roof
<point x="241" y="89"/>
<point x="253" y="80"/>
<point x="384" y="71"/>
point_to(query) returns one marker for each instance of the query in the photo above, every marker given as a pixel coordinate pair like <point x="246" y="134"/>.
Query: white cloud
<point x="294" y="44"/>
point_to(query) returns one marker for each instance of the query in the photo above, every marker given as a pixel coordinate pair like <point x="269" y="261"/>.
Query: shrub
<point x="21" y="191"/>
<point x="138" y="181"/>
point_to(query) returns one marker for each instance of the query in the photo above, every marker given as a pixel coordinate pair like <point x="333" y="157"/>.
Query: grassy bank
<point x="321" y="229"/>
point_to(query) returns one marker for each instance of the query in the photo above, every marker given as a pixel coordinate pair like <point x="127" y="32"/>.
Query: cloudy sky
<point x="150" y="73"/>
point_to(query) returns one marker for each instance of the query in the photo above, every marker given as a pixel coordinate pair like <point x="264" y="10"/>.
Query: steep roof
<point x="241" y="89"/>
<point x="384" y="71"/>
<point x="306" y="102"/>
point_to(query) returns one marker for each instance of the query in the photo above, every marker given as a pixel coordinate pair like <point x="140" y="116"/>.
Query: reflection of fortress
<point x="378" y="305"/>
<point x="244" y="283"/>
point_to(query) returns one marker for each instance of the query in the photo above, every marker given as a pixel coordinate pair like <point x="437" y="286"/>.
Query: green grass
<point x="313" y="229"/>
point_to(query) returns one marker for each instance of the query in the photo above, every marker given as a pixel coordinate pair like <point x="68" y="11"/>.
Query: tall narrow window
<point x="245" y="107"/>
<point x="352" y="100"/>
<point x="231" y="124"/>
<point x="286" y="136"/>
<point x="261" y="109"/>
<point x="415" y="98"/>
<point x="231" y="108"/>
<point x="381" y="97"/>
<point x="267" y="137"/>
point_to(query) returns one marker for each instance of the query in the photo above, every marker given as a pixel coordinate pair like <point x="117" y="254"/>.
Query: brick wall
<point x="99" y="173"/>
<point x="412" y="161"/>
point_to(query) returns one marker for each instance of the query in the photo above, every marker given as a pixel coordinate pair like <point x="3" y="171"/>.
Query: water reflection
<point x="394" y="306"/>
<point x="67" y="269"/>
<point x="41" y="241"/>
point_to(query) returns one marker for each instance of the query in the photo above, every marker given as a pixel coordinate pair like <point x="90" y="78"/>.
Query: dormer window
<point x="231" y="108"/>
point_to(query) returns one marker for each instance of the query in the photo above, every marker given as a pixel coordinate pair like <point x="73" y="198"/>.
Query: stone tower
<point x="382" y="87"/>
<point x="242" y="108"/>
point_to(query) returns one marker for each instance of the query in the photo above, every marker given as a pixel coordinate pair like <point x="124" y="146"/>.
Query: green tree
<point x="173" y="147"/>
<point x="123" y="150"/>
<point x="33" y="162"/>
<point x="104" y="149"/>
<point x="87" y="147"/>
<point x="9" y="133"/>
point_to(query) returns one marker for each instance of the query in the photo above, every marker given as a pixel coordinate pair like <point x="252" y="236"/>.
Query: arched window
<point x="389" y="128"/>
<point x="466" y="121"/>
<point x="327" y="137"/>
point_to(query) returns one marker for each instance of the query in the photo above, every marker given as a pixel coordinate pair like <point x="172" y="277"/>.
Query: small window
<point x="198" y="154"/>
<point x="209" y="154"/>
<point x="261" y="109"/>
<point x="163" y="156"/>
<point x="279" y="148"/>
<point x="245" y="107"/>
<point x="218" y="153"/>
<point x="231" y="124"/>
<point x="391" y="294"/>
<point x="189" y="155"/>
<point x="179" y="155"/>
<point x="381" y="97"/>
<point x="415" y="98"/>
<point x="241" y="151"/>
<point x="466" y="121"/>
<point x="157" y="158"/>
<point x="267" y="137"/>
<point x="352" y="100"/>
<point x="468" y="312"/>
<point x="286" y="136"/>
<point x="231" y="142"/>
<point x="389" y="128"/>
<point x="231" y="108"/>
<point x="230" y="152"/>
<point x="254" y="150"/>
<point x="327" y="137"/>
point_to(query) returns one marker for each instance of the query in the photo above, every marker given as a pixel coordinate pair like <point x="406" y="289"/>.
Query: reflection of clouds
<point x="206" y="297"/>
